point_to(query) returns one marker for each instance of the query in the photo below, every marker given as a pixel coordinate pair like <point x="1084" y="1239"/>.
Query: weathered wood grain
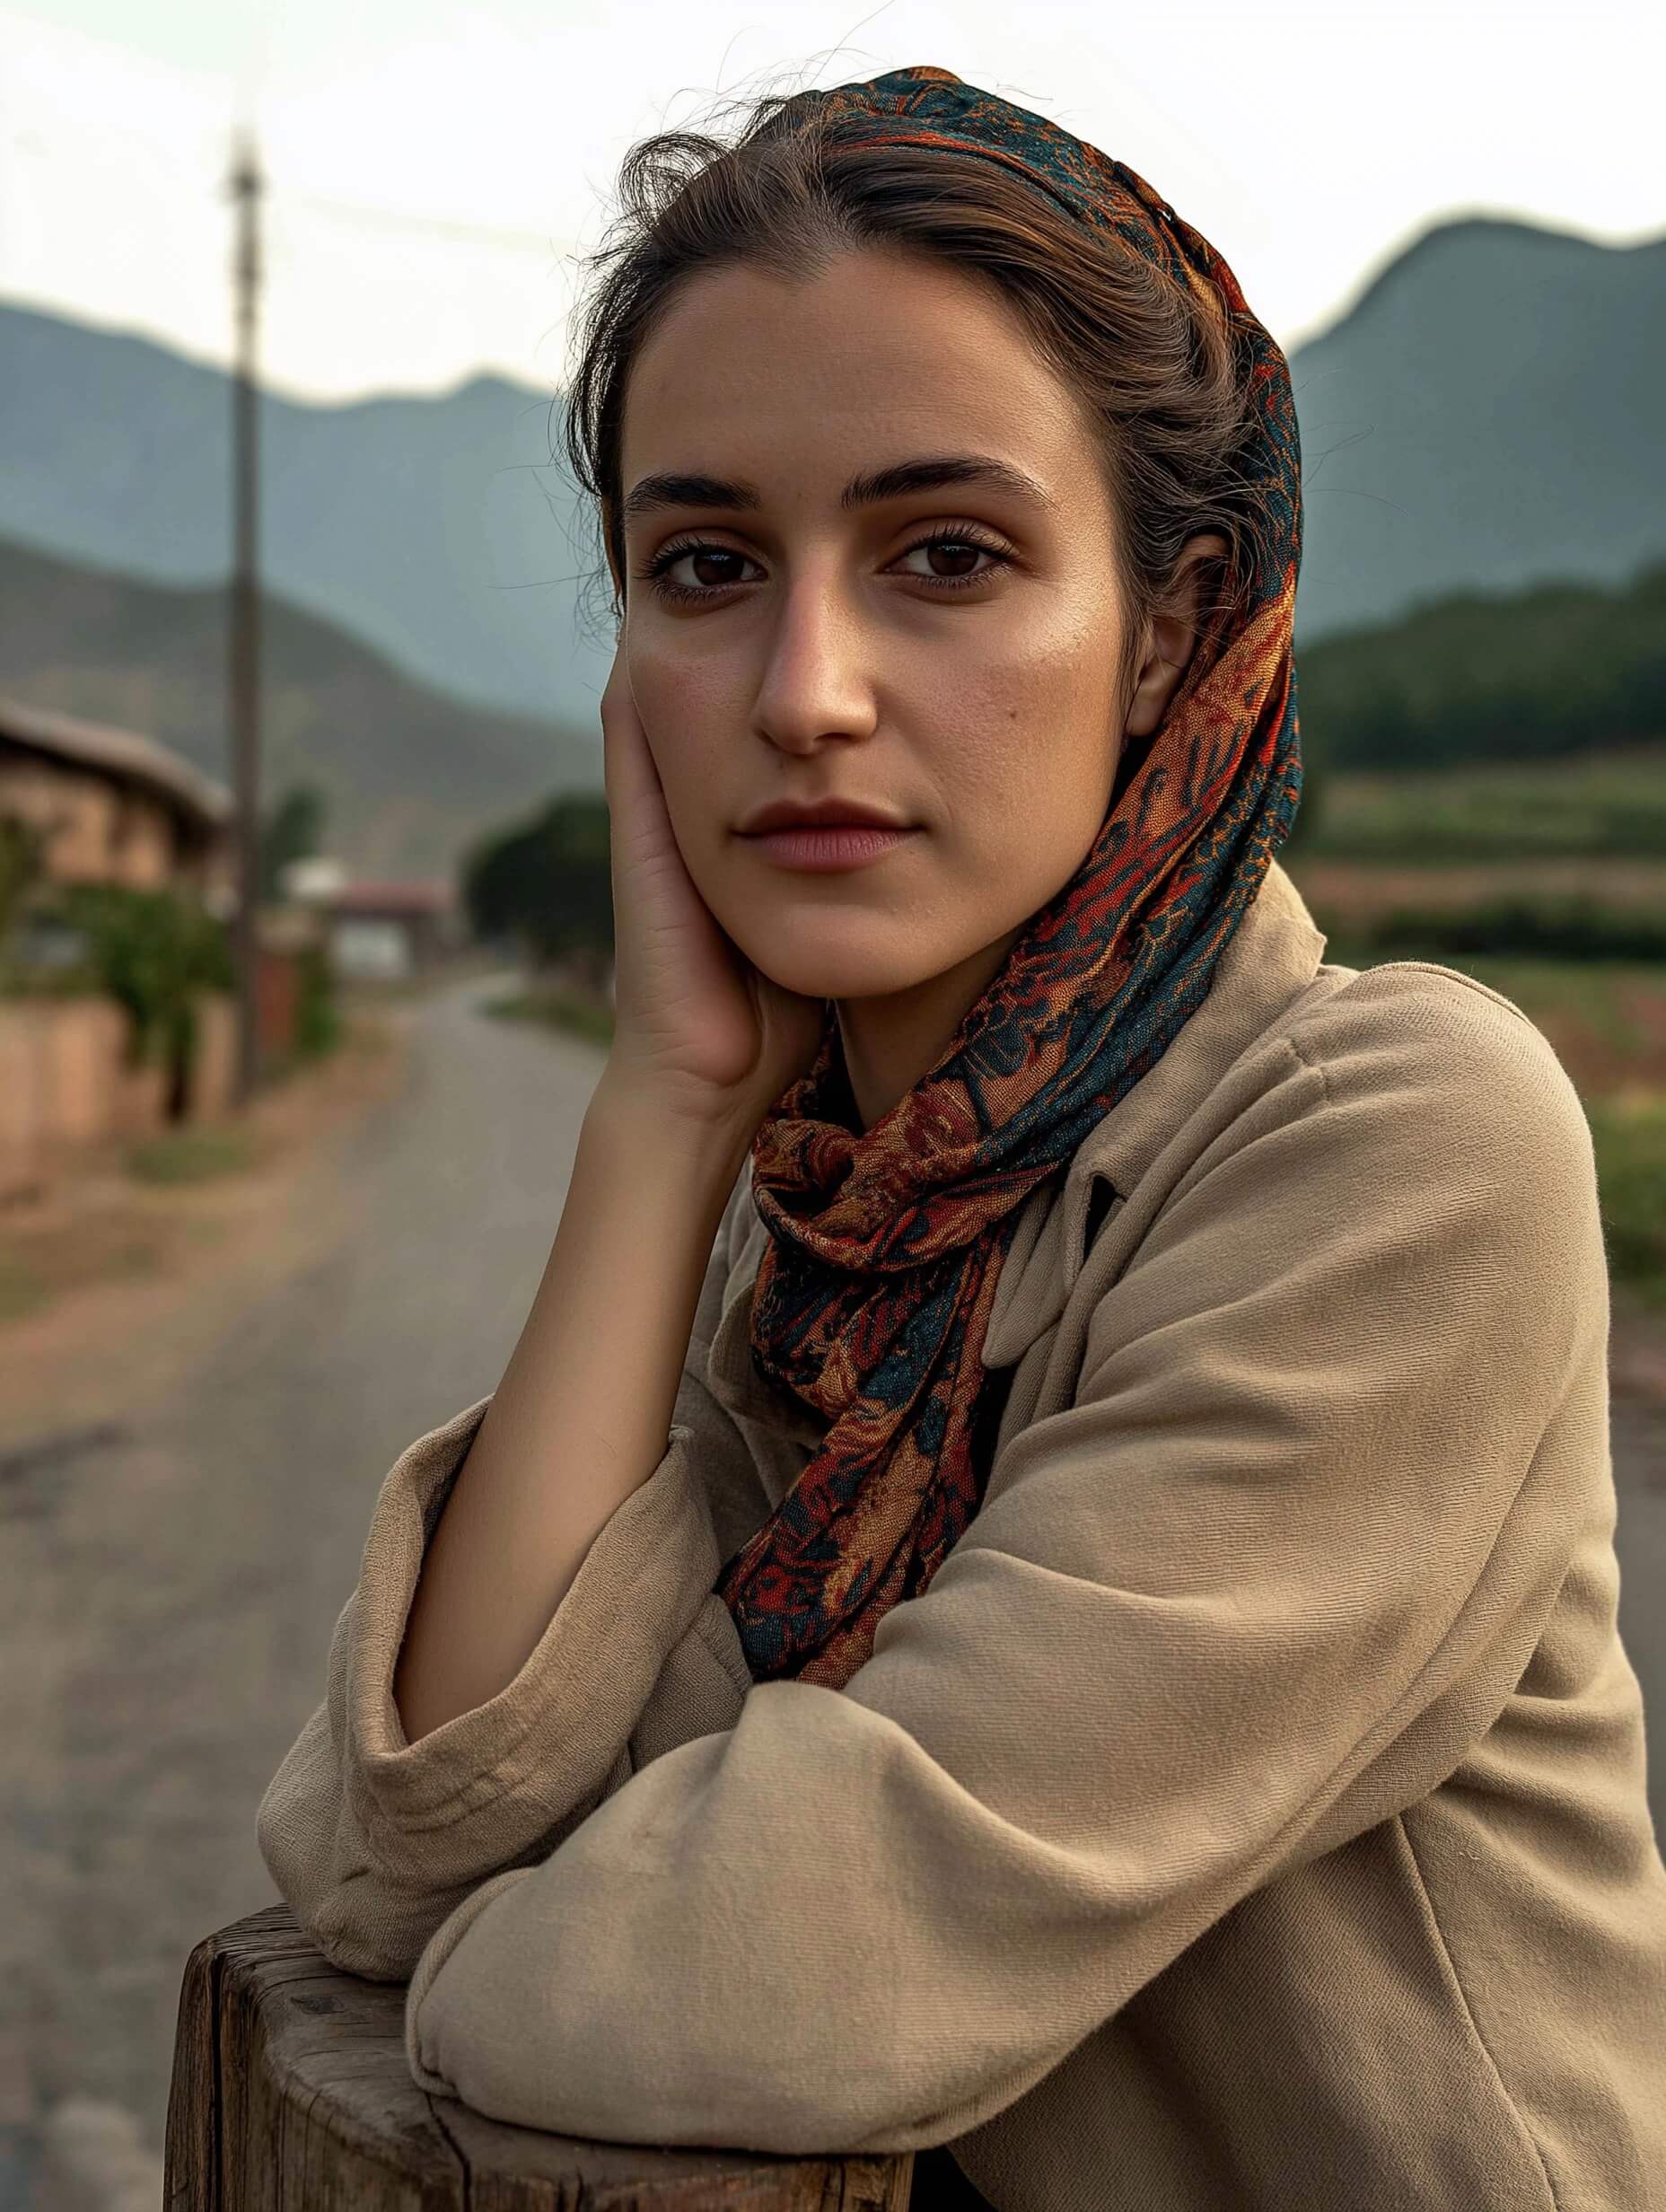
<point x="291" y="2093"/>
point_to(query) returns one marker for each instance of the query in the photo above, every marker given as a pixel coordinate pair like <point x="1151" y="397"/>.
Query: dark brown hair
<point x="1162" y="380"/>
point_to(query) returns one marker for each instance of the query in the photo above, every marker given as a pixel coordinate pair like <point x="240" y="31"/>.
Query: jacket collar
<point x="1274" y="954"/>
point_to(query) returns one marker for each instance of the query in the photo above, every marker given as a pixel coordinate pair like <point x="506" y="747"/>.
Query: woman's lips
<point x="825" y="848"/>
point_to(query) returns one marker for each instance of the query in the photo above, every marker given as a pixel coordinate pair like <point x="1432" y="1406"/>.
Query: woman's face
<point x="817" y="648"/>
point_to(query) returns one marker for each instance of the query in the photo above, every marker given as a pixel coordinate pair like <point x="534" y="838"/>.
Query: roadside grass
<point x="38" y="1268"/>
<point x="23" y="1289"/>
<point x="163" y="1208"/>
<point x="557" y="1007"/>
<point x="191" y="1156"/>
<point x="116" y="1219"/>
<point x="1628" y="1135"/>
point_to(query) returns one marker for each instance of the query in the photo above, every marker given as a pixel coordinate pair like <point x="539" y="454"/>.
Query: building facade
<point x="110" y="806"/>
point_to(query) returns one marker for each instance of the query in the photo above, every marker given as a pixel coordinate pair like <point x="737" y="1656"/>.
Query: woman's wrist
<point x="651" y="1119"/>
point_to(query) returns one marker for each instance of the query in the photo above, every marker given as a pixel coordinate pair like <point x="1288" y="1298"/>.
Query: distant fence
<point x="66" y="1080"/>
<point x="292" y="2092"/>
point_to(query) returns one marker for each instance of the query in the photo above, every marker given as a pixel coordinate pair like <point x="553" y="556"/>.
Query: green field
<point x="1610" y="803"/>
<point x="1586" y="833"/>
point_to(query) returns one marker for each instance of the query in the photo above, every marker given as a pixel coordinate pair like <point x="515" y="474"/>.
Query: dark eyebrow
<point x="673" y="489"/>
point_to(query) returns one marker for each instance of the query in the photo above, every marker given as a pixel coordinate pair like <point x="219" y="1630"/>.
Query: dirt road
<point x="177" y="1546"/>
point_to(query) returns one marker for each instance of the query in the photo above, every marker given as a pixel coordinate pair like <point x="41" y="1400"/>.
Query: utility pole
<point x="244" y="642"/>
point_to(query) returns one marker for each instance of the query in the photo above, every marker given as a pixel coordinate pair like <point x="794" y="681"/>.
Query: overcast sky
<point x="433" y="163"/>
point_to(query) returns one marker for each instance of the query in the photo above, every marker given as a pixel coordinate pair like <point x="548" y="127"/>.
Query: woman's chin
<point x="846" y="972"/>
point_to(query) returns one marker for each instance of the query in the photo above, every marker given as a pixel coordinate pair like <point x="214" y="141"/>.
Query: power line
<point x="388" y="218"/>
<point x="504" y="236"/>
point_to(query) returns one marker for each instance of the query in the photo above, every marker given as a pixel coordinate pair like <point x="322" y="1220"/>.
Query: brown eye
<point x="715" y="555"/>
<point x="960" y="547"/>
<point x="961" y="552"/>
<point x="957" y="546"/>
<point x="697" y="553"/>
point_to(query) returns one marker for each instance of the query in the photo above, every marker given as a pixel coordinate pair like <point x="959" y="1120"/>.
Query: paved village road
<point x="171" y="1570"/>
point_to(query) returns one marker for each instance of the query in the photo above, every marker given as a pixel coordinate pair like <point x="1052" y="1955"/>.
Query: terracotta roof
<point x="402" y="898"/>
<point x="121" y="754"/>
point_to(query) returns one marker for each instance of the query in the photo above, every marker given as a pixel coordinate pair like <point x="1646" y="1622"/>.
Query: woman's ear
<point x="1171" y="636"/>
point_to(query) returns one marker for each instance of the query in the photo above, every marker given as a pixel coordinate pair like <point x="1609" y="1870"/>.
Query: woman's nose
<point x="816" y="677"/>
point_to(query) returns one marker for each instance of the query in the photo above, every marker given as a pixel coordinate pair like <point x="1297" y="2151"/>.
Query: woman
<point x="1039" y="1588"/>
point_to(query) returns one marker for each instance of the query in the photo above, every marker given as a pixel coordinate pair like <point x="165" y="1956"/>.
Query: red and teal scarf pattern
<point x="885" y="1245"/>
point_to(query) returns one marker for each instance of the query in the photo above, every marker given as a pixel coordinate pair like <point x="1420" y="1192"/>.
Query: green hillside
<point x="410" y="777"/>
<point x="1534" y="676"/>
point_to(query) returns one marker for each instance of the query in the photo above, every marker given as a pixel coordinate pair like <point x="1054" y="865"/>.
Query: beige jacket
<point x="1250" y="1814"/>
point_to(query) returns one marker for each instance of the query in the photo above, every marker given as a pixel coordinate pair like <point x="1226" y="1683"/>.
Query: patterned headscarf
<point x="885" y="1245"/>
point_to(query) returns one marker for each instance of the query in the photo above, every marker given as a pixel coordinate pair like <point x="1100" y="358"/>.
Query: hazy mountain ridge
<point x="1482" y="417"/>
<point x="411" y="777"/>
<point x="421" y="524"/>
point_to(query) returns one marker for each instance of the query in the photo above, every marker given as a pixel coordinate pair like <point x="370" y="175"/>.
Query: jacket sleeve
<point x="373" y="1840"/>
<point x="1260" y="1586"/>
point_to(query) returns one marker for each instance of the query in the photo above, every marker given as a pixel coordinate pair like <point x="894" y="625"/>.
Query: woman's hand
<point x="695" y="1023"/>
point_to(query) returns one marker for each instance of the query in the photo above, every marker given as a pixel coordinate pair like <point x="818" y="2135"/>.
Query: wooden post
<point x="245" y="616"/>
<point x="291" y="2093"/>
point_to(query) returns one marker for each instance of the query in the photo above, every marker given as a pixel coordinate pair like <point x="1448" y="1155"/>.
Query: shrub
<point x="150" y="950"/>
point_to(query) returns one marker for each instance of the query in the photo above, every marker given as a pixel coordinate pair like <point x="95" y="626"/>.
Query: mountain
<point x="1484" y="418"/>
<point x="437" y="529"/>
<point x="1481" y="418"/>
<point x="410" y="777"/>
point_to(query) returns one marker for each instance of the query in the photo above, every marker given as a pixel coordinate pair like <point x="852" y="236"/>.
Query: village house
<point x="107" y="806"/>
<point x="114" y="807"/>
<point x="379" y="932"/>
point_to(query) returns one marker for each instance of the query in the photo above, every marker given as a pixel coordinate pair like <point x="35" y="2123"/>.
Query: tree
<point x="21" y="847"/>
<point x="294" y="830"/>
<point x="546" y="884"/>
